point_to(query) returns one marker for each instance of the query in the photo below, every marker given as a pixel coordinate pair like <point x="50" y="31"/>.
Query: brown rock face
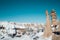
<point x="56" y="37"/>
<point x="48" y="30"/>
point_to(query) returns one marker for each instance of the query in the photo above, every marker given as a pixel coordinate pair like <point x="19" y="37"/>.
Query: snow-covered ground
<point x="32" y="36"/>
<point x="37" y="36"/>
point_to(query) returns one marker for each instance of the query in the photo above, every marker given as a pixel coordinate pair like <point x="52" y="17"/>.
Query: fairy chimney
<point x="54" y="18"/>
<point x="48" y="30"/>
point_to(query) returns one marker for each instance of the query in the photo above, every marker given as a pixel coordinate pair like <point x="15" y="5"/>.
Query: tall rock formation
<point x="54" y="19"/>
<point x="56" y="32"/>
<point x="48" y="30"/>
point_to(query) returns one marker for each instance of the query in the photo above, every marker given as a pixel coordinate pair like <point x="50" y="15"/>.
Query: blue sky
<point x="27" y="10"/>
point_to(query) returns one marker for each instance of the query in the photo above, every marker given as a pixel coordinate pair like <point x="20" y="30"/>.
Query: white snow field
<point x="31" y="36"/>
<point x="37" y="36"/>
